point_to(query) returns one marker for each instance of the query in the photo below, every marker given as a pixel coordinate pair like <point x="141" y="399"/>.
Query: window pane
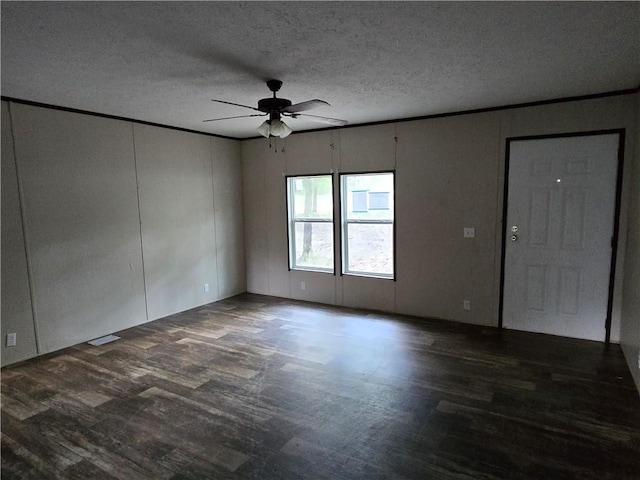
<point x="370" y="248"/>
<point x="314" y="245"/>
<point x="311" y="243"/>
<point x="312" y="197"/>
<point x="378" y="202"/>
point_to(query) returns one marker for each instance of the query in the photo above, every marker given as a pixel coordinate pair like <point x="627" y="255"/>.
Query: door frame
<point x="616" y="219"/>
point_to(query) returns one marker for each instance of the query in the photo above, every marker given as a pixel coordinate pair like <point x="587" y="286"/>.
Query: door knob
<point x="514" y="238"/>
<point x="514" y="229"/>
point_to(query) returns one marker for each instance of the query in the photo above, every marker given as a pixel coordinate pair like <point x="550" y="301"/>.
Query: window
<point x="367" y="224"/>
<point x="310" y="206"/>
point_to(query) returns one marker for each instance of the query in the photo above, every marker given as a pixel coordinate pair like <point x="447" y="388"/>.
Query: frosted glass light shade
<point x="264" y="129"/>
<point x="286" y="131"/>
<point x="274" y="128"/>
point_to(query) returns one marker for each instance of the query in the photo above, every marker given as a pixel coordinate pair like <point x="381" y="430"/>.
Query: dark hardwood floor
<point x="262" y="388"/>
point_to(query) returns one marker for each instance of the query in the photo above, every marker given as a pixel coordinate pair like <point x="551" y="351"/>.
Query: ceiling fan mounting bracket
<point x="274" y="85"/>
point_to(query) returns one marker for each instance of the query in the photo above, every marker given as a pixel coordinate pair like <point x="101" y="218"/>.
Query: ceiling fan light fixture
<point x="265" y="129"/>
<point x="274" y="128"/>
<point x="286" y="131"/>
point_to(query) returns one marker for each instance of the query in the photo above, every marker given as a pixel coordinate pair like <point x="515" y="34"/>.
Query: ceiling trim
<point x="113" y="117"/>
<point x="538" y="103"/>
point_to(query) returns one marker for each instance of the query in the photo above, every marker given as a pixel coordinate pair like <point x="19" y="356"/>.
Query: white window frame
<point x="345" y="222"/>
<point x="292" y="220"/>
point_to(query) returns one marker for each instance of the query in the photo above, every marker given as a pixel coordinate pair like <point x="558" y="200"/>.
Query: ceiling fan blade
<point x="229" y="118"/>
<point x="303" y="106"/>
<point x="330" y="121"/>
<point x="236" y="104"/>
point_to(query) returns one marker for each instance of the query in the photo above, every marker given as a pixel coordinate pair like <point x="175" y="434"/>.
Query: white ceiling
<point x="162" y="62"/>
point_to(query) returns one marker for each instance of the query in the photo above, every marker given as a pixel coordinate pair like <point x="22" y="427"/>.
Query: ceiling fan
<point x="276" y="108"/>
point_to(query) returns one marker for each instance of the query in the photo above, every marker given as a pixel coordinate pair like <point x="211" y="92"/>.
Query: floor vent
<point x="103" y="340"/>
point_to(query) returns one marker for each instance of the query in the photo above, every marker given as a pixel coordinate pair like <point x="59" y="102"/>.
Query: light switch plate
<point x="469" y="232"/>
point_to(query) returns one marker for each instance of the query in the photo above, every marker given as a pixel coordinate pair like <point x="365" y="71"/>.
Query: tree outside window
<point x="310" y="212"/>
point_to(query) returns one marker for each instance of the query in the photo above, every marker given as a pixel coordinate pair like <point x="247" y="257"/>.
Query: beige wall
<point x="447" y="179"/>
<point x="176" y="211"/>
<point x="255" y="158"/>
<point x="119" y="219"/>
<point x="630" y="328"/>
<point x="77" y="175"/>
<point x="227" y="193"/>
<point x="449" y="175"/>
<point x="16" y="311"/>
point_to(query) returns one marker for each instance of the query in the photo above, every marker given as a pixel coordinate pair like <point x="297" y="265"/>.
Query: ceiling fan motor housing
<point x="269" y="105"/>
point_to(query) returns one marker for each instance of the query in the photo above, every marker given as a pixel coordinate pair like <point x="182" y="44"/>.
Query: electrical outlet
<point x="206" y="287"/>
<point x="303" y="286"/>
<point x="469" y="232"/>
<point x="638" y="360"/>
<point x="11" y="339"/>
<point x="466" y="304"/>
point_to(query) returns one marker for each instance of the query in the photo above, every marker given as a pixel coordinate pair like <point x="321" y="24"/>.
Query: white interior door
<point x="560" y="218"/>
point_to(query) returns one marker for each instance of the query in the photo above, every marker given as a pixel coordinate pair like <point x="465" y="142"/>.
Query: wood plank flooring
<point x="256" y="387"/>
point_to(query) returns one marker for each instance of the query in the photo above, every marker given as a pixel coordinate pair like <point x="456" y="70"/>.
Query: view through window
<point x="310" y="206"/>
<point x="367" y="224"/>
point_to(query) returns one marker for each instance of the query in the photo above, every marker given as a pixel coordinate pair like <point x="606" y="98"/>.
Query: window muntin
<point x="310" y="219"/>
<point x="368" y="224"/>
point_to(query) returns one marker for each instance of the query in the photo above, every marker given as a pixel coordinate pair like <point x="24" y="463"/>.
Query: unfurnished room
<point x="320" y="240"/>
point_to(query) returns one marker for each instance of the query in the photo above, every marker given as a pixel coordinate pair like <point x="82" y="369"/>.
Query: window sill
<point x="311" y="269"/>
<point x="379" y="276"/>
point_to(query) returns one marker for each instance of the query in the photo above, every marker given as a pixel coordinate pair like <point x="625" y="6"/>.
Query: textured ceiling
<point x="372" y="61"/>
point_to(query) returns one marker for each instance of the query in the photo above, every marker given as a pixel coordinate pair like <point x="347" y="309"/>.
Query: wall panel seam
<point x="215" y="230"/>
<point x="266" y="220"/>
<point x="135" y="168"/>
